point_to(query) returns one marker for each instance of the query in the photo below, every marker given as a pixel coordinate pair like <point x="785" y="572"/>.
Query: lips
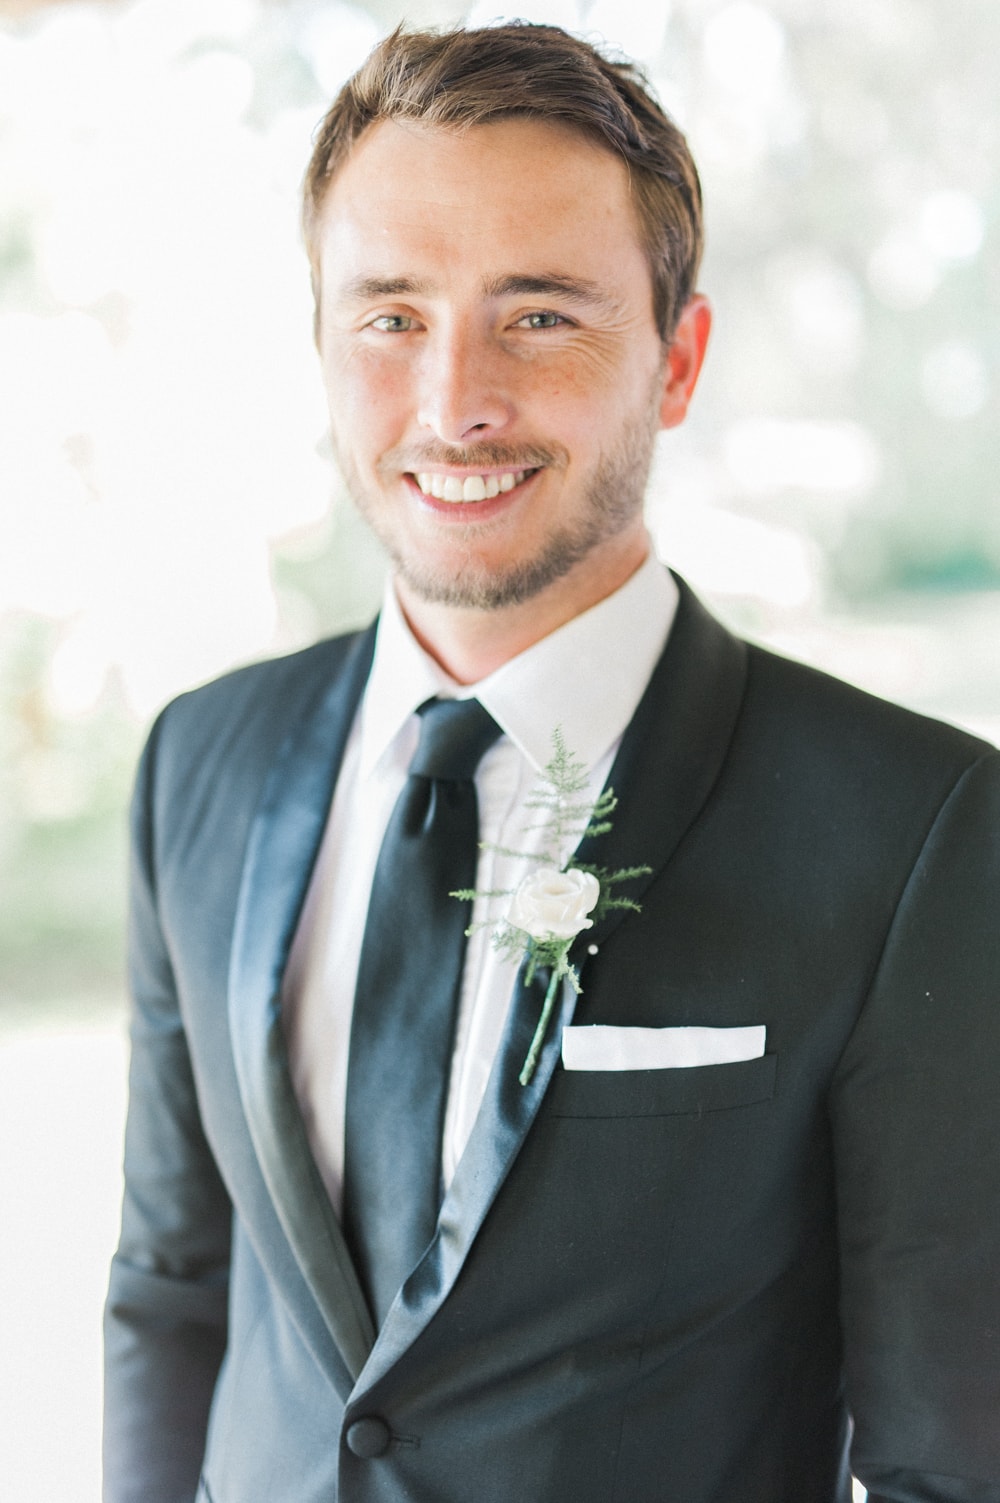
<point x="459" y="488"/>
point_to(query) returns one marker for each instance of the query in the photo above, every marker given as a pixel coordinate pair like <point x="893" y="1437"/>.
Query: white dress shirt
<point x="586" y="679"/>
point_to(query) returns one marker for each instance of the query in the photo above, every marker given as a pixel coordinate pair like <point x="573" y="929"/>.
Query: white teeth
<point x="472" y="488"/>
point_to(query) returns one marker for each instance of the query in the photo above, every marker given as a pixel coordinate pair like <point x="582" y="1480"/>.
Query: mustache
<point x="487" y="456"/>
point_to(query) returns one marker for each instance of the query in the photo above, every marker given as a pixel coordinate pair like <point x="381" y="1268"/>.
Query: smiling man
<point x="496" y="374"/>
<point x="707" y="1211"/>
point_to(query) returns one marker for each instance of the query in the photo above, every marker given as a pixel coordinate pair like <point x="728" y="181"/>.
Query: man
<point x="680" y="1257"/>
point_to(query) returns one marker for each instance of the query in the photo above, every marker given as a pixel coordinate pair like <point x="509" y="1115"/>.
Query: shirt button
<point x="368" y="1437"/>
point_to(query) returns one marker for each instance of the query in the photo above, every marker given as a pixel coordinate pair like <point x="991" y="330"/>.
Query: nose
<point x="463" y="396"/>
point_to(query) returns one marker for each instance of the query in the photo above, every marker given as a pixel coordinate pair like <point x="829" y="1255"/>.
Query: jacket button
<point x="368" y="1437"/>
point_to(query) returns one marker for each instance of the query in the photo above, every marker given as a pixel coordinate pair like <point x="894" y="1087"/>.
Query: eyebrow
<point x="363" y="289"/>
<point x="550" y="284"/>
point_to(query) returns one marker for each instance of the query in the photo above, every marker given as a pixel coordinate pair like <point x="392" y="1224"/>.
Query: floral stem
<point x="528" y="1068"/>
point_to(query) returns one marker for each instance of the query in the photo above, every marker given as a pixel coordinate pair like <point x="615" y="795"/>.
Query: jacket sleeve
<point x="165" y="1318"/>
<point x="916" y="1120"/>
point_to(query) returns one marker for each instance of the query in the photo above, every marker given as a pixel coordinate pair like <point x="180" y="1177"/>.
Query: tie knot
<point x="454" y="734"/>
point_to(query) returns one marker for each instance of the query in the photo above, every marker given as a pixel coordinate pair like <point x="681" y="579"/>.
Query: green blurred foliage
<point x="63" y="788"/>
<point x="886" y="105"/>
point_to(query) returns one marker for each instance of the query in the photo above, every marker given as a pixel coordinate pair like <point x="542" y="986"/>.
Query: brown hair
<point x="460" y="78"/>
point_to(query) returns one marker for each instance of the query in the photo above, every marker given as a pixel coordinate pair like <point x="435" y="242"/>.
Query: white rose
<point x="550" y="904"/>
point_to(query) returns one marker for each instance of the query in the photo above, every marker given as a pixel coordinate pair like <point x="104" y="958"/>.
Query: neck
<point x="470" y="643"/>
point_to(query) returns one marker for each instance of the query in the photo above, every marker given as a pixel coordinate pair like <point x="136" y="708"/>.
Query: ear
<point x="684" y="359"/>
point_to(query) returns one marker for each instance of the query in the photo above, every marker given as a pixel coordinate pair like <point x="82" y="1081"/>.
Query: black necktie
<point x="406" y="999"/>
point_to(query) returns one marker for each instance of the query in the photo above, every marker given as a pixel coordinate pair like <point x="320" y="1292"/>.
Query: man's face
<point x="494" y="373"/>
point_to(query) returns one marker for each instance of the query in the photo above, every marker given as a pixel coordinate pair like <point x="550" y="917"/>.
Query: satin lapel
<point x="671" y="754"/>
<point x="507" y="1112"/>
<point x="666" y="766"/>
<point x="284" y="841"/>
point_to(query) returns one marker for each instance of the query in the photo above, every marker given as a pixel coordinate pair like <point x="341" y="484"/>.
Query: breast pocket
<point x="662" y="1093"/>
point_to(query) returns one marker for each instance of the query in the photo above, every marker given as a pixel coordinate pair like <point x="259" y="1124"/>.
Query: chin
<point x="469" y="589"/>
<point x="472" y="586"/>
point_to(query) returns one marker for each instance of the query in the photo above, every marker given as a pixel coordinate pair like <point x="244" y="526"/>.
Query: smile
<point x="471" y="487"/>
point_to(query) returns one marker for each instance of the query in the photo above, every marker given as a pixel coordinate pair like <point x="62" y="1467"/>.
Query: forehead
<point x="522" y="195"/>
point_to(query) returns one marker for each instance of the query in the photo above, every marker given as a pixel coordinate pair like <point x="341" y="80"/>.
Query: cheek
<point x="359" y="379"/>
<point x="580" y="411"/>
<point x="598" y="382"/>
<point x="367" y="401"/>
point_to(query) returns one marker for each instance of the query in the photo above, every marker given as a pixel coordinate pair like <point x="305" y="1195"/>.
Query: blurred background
<point x="168" y="508"/>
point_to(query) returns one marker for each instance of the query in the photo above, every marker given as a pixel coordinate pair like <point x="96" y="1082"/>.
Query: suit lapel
<point x="281" y="852"/>
<point x="507" y="1113"/>
<point x="668" y="762"/>
<point x="671" y="754"/>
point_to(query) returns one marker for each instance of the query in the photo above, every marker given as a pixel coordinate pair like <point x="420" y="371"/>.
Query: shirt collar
<point x="402" y="678"/>
<point x="585" y="679"/>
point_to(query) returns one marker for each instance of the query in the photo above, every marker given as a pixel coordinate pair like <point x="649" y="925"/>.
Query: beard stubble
<point x="613" y="496"/>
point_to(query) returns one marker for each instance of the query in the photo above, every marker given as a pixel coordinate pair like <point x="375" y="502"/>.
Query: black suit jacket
<point x="662" y="1286"/>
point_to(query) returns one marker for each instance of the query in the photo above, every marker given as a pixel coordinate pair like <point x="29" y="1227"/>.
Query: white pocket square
<point x="601" y="1047"/>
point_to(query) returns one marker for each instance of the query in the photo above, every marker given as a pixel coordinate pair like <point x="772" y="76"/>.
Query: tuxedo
<point x="645" y="1286"/>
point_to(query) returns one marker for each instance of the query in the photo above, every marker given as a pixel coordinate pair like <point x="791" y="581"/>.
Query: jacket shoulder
<point x="242" y="717"/>
<point x="832" y="740"/>
<point x="278" y="680"/>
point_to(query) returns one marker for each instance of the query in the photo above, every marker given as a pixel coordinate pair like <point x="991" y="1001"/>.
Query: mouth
<point x="458" y="489"/>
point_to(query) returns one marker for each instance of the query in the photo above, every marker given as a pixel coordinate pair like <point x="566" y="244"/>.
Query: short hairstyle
<point x="461" y="78"/>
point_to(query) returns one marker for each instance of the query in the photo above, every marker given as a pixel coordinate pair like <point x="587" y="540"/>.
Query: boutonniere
<point x="555" y="902"/>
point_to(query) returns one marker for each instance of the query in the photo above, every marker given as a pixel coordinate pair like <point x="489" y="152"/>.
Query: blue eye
<point x="542" y="320"/>
<point x="392" y="323"/>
